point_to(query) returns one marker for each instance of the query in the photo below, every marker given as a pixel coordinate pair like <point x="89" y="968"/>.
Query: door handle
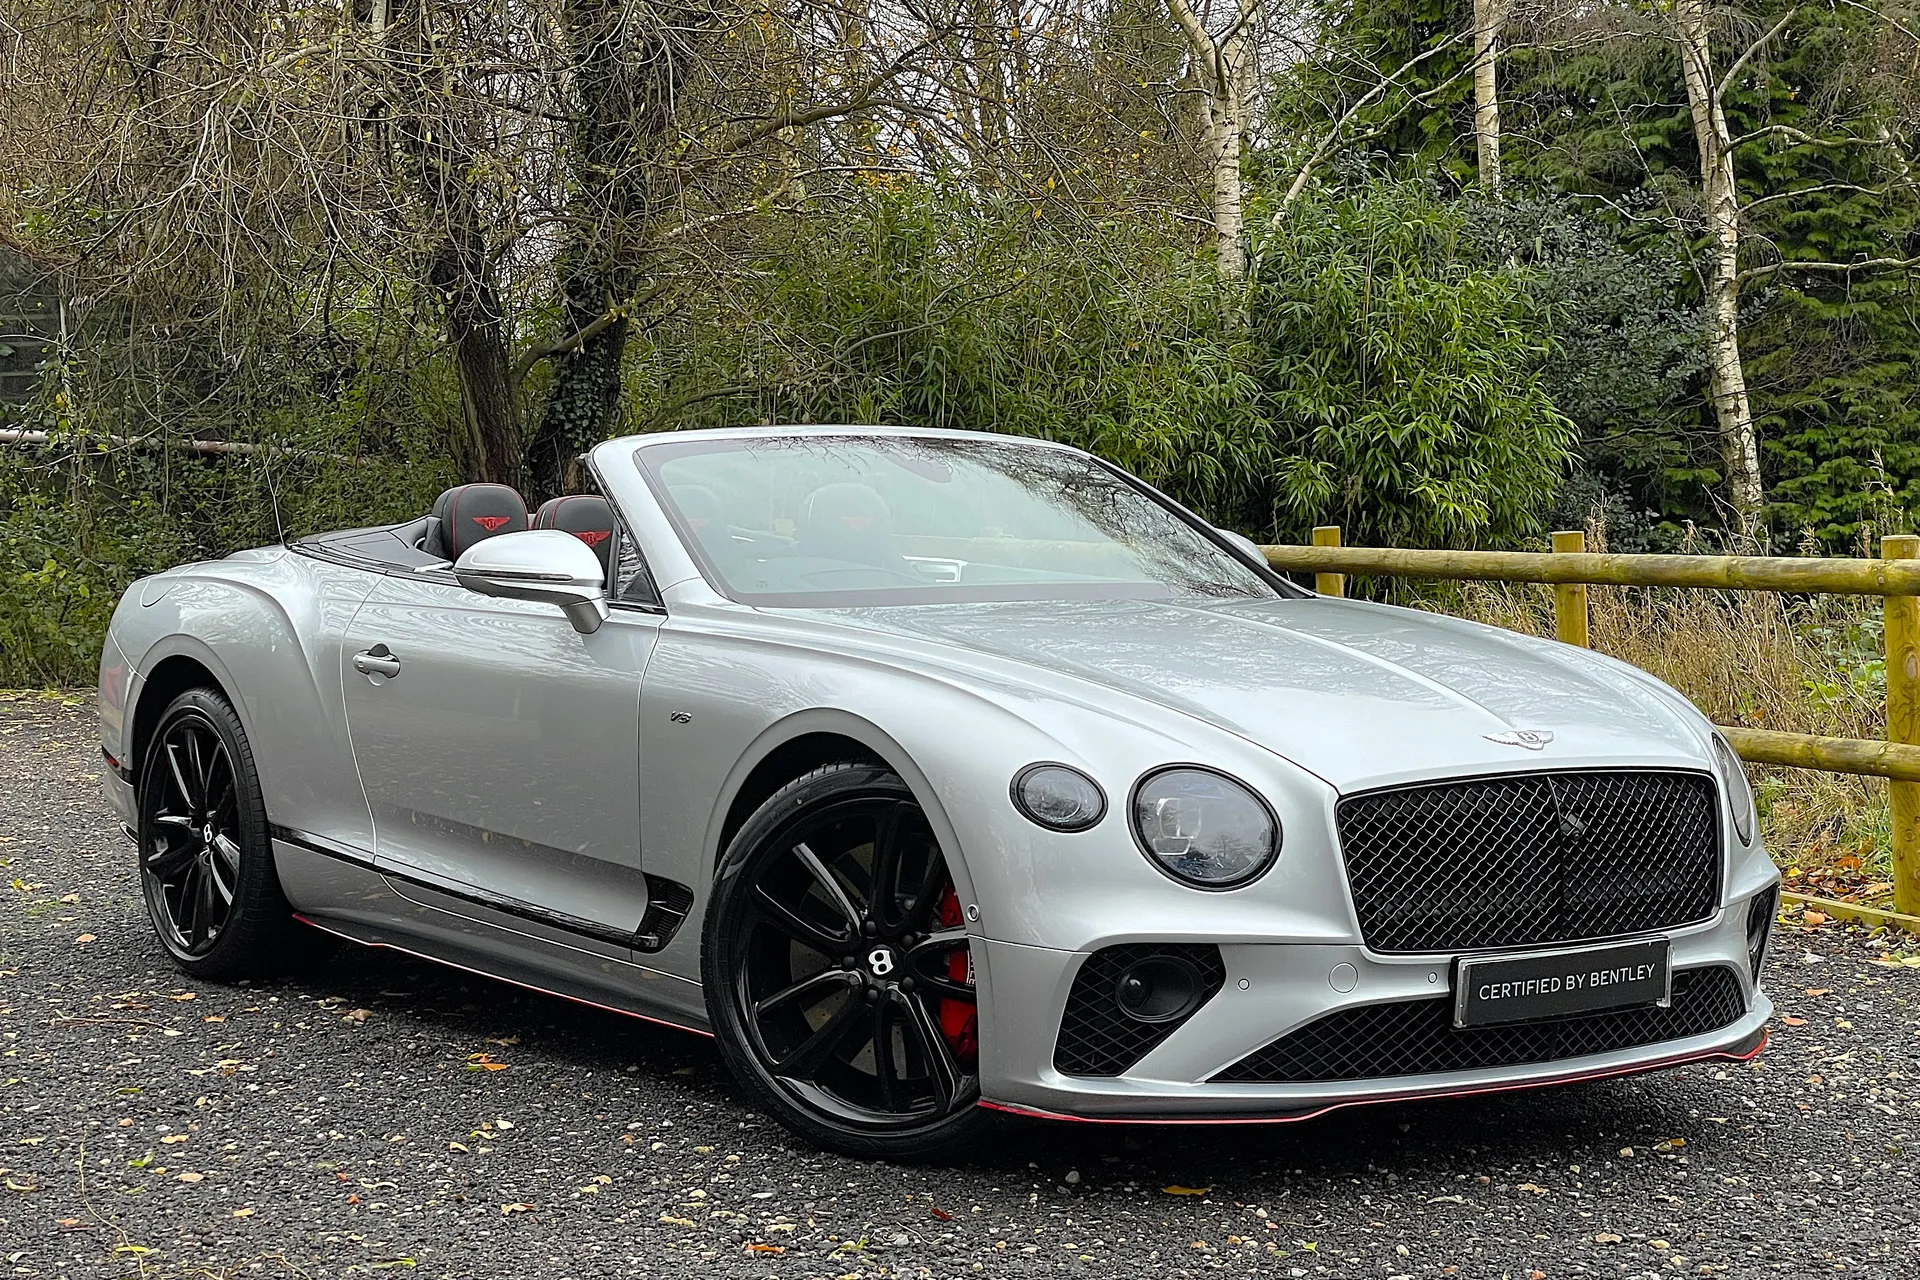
<point x="376" y="662"/>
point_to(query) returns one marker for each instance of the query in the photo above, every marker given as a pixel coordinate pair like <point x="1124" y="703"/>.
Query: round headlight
<point x="1204" y="828"/>
<point x="1058" y="797"/>
<point x="1733" y="776"/>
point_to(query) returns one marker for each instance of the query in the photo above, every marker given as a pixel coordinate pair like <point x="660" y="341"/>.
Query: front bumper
<point x="1273" y="989"/>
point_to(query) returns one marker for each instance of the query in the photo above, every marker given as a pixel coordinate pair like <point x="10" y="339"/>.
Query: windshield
<point x="825" y="521"/>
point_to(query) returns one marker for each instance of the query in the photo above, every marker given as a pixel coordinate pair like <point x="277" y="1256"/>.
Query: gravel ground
<point x="391" y="1115"/>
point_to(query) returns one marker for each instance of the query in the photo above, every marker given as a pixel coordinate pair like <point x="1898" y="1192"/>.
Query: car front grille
<point x="1417" y="1037"/>
<point x="1097" y="1038"/>
<point x="1524" y="859"/>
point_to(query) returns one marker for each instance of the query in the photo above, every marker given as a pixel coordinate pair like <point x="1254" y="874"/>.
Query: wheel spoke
<point x="164" y="861"/>
<point x="186" y="920"/>
<point x="812" y="1053"/>
<point x="831" y="885"/>
<point x="810" y="989"/>
<point x="886" y="1071"/>
<point x="795" y="926"/>
<point x="187" y="795"/>
<point x="224" y="878"/>
<point x="936" y="945"/>
<point x="883" y="894"/>
<point x="206" y="919"/>
<point x="173" y="820"/>
<point x="197" y="757"/>
<point x="927" y="899"/>
<point x="229" y="854"/>
<point x="942" y="1071"/>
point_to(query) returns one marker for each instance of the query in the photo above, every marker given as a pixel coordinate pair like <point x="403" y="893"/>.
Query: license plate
<point x="1553" y="984"/>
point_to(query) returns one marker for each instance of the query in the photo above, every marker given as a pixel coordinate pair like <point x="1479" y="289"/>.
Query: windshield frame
<point x="648" y="456"/>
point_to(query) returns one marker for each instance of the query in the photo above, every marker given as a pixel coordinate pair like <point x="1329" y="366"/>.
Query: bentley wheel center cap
<point x="880" y="961"/>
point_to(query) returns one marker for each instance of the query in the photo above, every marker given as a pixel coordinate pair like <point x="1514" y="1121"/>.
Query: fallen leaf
<point x="172" y="1138"/>
<point x="188" y="1177"/>
<point x="1815" y="917"/>
<point x="1794" y="1022"/>
<point x="484" y="1062"/>
<point x="1607" y="1237"/>
<point x="1532" y="1188"/>
<point x="1177" y="1190"/>
<point x="183" y="995"/>
<point x="356" y="1015"/>
<point x="454" y="1146"/>
<point x="83" y="939"/>
<point x="68" y="1223"/>
<point x="243" y="1213"/>
<point x="672" y="1221"/>
<point x="21" y="1186"/>
<point x="215" y="1017"/>
<point x="1818" y="991"/>
<point x="518" y="1206"/>
<point x="941" y="1214"/>
<point x="756" y="1247"/>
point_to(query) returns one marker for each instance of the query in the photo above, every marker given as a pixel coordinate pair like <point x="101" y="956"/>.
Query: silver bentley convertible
<point x="933" y="772"/>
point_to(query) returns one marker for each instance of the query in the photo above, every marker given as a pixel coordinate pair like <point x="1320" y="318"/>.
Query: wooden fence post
<point x="1328" y="584"/>
<point x="1570" y="598"/>
<point x="1903" y="725"/>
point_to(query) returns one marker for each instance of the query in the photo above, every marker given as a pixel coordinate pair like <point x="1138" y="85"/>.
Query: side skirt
<point x="342" y="893"/>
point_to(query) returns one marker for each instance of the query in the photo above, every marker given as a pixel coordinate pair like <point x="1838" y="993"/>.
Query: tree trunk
<point x="625" y="80"/>
<point x="1720" y="202"/>
<point x="1223" y="67"/>
<point x="1488" y="17"/>
<point x="476" y="330"/>
<point x="459" y="263"/>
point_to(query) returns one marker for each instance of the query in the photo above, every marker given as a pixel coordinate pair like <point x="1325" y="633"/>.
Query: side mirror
<point x="539" y="564"/>
<point x="1244" y="545"/>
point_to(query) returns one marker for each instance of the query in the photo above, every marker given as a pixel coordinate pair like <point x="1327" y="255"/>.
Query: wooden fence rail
<point x="1571" y="569"/>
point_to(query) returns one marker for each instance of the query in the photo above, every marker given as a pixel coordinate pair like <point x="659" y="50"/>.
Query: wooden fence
<point x="1571" y="569"/>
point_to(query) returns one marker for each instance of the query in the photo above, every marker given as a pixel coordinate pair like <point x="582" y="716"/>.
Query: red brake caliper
<point x="959" y="1019"/>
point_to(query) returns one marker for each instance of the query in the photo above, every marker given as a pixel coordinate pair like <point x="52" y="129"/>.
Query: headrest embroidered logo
<point x="592" y="537"/>
<point x="856" y="523"/>
<point x="1531" y="739"/>
<point x="490" y="523"/>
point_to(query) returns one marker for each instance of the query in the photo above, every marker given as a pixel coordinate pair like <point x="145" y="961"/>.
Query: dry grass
<point x="1807" y="665"/>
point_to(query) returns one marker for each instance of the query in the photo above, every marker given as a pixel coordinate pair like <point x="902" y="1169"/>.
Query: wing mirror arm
<point x="547" y="565"/>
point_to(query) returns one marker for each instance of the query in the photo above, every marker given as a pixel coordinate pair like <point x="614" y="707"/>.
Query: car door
<point x="500" y="749"/>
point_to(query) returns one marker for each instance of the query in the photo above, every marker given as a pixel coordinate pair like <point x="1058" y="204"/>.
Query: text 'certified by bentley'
<point x="1550" y="984"/>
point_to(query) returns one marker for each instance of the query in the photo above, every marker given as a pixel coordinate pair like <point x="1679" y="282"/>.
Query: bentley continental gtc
<point x="935" y="773"/>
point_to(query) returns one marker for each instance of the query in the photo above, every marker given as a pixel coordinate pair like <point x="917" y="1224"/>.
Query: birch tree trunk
<point x="1488" y="17"/>
<point x="1224" y="66"/>
<point x="1720" y="203"/>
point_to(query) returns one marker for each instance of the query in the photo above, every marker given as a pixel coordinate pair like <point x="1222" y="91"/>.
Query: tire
<point x="847" y="1011"/>
<point x="205" y="855"/>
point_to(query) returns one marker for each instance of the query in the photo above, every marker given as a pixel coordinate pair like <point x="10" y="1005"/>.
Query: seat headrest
<point x="847" y="522"/>
<point x="470" y="513"/>
<point x="586" y="516"/>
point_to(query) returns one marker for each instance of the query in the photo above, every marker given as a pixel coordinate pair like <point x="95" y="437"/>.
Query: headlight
<point x="1204" y="828"/>
<point x="1733" y="776"/>
<point x="1058" y="797"/>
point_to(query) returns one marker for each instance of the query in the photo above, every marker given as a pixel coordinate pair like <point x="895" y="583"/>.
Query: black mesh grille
<point x="1417" y="1037"/>
<point x="1531" y="858"/>
<point x="1096" y="1038"/>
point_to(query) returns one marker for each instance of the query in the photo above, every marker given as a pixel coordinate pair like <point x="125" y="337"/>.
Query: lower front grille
<point x="1097" y="1038"/>
<point x="1417" y="1037"/>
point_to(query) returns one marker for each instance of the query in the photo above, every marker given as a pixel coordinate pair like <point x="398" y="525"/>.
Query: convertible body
<point x="1496" y="861"/>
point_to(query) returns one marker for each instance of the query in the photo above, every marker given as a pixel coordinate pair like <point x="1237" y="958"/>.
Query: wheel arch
<point x="803" y="741"/>
<point x="187" y="664"/>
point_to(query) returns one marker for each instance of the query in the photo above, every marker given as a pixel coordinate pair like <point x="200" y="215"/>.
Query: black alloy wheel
<point x="206" y="860"/>
<point x="838" y="971"/>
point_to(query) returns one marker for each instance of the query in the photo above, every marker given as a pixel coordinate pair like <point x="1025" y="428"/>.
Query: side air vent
<point x="1760" y="916"/>
<point x="1126" y="1000"/>
<point x="668" y="902"/>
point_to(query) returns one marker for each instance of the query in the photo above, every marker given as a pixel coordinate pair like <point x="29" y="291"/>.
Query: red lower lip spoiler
<point x="1744" y="1054"/>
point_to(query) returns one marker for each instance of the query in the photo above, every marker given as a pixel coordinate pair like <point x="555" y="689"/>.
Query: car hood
<point x="1359" y="694"/>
